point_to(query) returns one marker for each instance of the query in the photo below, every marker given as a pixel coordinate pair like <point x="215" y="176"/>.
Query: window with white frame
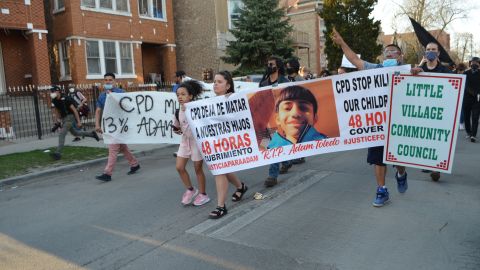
<point x="152" y="8"/>
<point x="113" y="5"/>
<point x="126" y="59"/>
<point x="234" y="8"/>
<point x="93" y="57"/>
<point x="109" y="56"/>
<point x="64" y="55"/>
<point x="58" y="4"/>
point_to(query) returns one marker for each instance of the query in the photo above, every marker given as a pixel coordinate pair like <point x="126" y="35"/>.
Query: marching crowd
<point x="293" y="105"/>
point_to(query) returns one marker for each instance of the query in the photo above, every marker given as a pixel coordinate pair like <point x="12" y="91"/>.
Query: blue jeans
<point x="274" y="169"/>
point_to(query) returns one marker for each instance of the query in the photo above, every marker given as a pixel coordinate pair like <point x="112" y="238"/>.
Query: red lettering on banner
<point x="272" y="153"/>
<point x="232" y="143"/>
<point x="376" y="118"/>
<point x="300" y="147"/>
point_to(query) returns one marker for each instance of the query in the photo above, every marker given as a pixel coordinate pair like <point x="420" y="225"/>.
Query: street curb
<point x="27" y="177"/>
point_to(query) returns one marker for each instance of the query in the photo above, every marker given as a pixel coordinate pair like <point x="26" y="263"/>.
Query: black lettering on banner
<point x="220" y="108"/>
<point x="123" y="106"/>
<point x="342" y="86"/>
<point x="144" y="102"/>
<point x="112" y="127"/>
<point x="361" y="83"/>
<point x="150" y="127"/>
<point x="171" y="105"/>
<point x="381" y="80"/>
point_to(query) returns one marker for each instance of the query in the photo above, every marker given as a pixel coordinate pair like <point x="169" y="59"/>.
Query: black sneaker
<point x="473" y="139"/>
<point x="104" y="177"/>
<point x="270" y="182"/>
<point x="284" y="169"/>
<point x="298" y="161"/>
<point x="56" y="156"/>
<point x="435" y="176"/>
<point x="95" y="136"/>
<point x="134" y="169"/>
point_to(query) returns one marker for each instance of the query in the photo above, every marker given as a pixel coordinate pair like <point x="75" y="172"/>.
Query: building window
<point x="93" y="58"/>
<point x="88" y="3"/>
<point x="234" y="8"/>
<point x="113" y="5"/>
<point x="126" y="58"/>
<point x="58" y="5"/>
<point x="64" y="53"/>
<point x="109" y="56"/>
<point x="152" y="8"/>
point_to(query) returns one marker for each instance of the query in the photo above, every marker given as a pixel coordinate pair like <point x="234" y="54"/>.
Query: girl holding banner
<point x="223" y="85"/>
<point x="186" y="92"/>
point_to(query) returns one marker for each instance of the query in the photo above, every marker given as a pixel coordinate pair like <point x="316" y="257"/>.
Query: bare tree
<point x="463" y="46"/>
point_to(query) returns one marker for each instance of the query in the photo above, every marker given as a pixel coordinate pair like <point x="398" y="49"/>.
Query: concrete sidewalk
<point x="10" y="147"/>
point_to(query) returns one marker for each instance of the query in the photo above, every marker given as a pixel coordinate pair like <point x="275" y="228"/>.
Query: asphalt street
<point x="320" y="216"/>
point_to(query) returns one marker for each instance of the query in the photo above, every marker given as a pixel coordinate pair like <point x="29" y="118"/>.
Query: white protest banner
<point x="424" y="117"/>
<point x="141" y="117"/>
<point x="255" y="128"/>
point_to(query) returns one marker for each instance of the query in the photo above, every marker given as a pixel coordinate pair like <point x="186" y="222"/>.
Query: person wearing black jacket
<point x="471" y="99"/>
<point x="431" y="63"/>
<point x="68" y="118"/>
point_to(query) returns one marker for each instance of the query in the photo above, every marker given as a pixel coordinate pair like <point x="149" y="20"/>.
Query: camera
<point x="56" y="126"/>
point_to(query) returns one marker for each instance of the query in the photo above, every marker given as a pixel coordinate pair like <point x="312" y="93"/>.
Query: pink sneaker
<point x="201" y="199"/>
<point x="188" y="196"/>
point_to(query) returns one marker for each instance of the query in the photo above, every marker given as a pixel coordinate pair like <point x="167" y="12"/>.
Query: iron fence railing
<point x="26" y="111"/>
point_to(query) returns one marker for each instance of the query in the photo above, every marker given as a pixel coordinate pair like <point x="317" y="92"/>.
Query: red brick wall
<point x="75" y="22"/>
<point x="23" y="52"/>
<point x="21" y="14"/>
<point x="16" y="57"/>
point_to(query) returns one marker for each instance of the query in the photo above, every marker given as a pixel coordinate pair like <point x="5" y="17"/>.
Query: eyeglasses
<point x="390" y="52"/>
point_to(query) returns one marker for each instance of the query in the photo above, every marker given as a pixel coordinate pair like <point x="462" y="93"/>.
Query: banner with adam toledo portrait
<point x="259" y="127"/>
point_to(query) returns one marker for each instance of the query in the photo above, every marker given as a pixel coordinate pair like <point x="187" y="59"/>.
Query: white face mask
<point x="53" y="95"/>
<point x="71" y="90"/>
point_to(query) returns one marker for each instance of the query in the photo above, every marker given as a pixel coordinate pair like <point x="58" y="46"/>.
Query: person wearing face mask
<point x="113" y="149"/>
<point x="431" y="63"/>
<point x="275" y="73"/>
<point x="80" y="103"/>
<point x="471" y="99"/>
<point x="275" y="76"/>
<point x="292" y="67"/>
<point x="68" y="118"/>
<point x="393" y="56"/>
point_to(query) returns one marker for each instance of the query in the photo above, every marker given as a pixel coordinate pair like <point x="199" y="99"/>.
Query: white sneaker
<point x="462" y="127"/>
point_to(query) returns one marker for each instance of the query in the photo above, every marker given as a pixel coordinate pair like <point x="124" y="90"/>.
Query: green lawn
<point x="27" y="162"/>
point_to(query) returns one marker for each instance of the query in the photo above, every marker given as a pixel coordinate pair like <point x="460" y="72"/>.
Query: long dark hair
<point x="228" y="77"/>
<point x="193" y="87"/>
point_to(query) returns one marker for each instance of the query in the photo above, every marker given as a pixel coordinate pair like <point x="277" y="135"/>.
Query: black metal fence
<point x="26" y="111"/>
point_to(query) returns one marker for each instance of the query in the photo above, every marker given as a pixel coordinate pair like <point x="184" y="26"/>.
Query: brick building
<point x="23" y="44"/>
<point x="208" y="23"/>
<point x="132" y="38"/>
<point x="308" y="37"/>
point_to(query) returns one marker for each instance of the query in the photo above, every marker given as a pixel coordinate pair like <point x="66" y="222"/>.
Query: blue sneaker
<point x="402" y="184"/>
<point x="382" y="197"/>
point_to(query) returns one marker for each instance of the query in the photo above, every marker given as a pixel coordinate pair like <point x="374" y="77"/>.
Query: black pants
<point x="471" y="113"/>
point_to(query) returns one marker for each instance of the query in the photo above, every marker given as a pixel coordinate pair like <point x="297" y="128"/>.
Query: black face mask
<point x="474" y="67"/>
<point x="290" y="71"/>
<point x="271" y="70"/>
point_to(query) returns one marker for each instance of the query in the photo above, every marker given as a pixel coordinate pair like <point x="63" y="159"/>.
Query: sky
<point x="385" y="10"/>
